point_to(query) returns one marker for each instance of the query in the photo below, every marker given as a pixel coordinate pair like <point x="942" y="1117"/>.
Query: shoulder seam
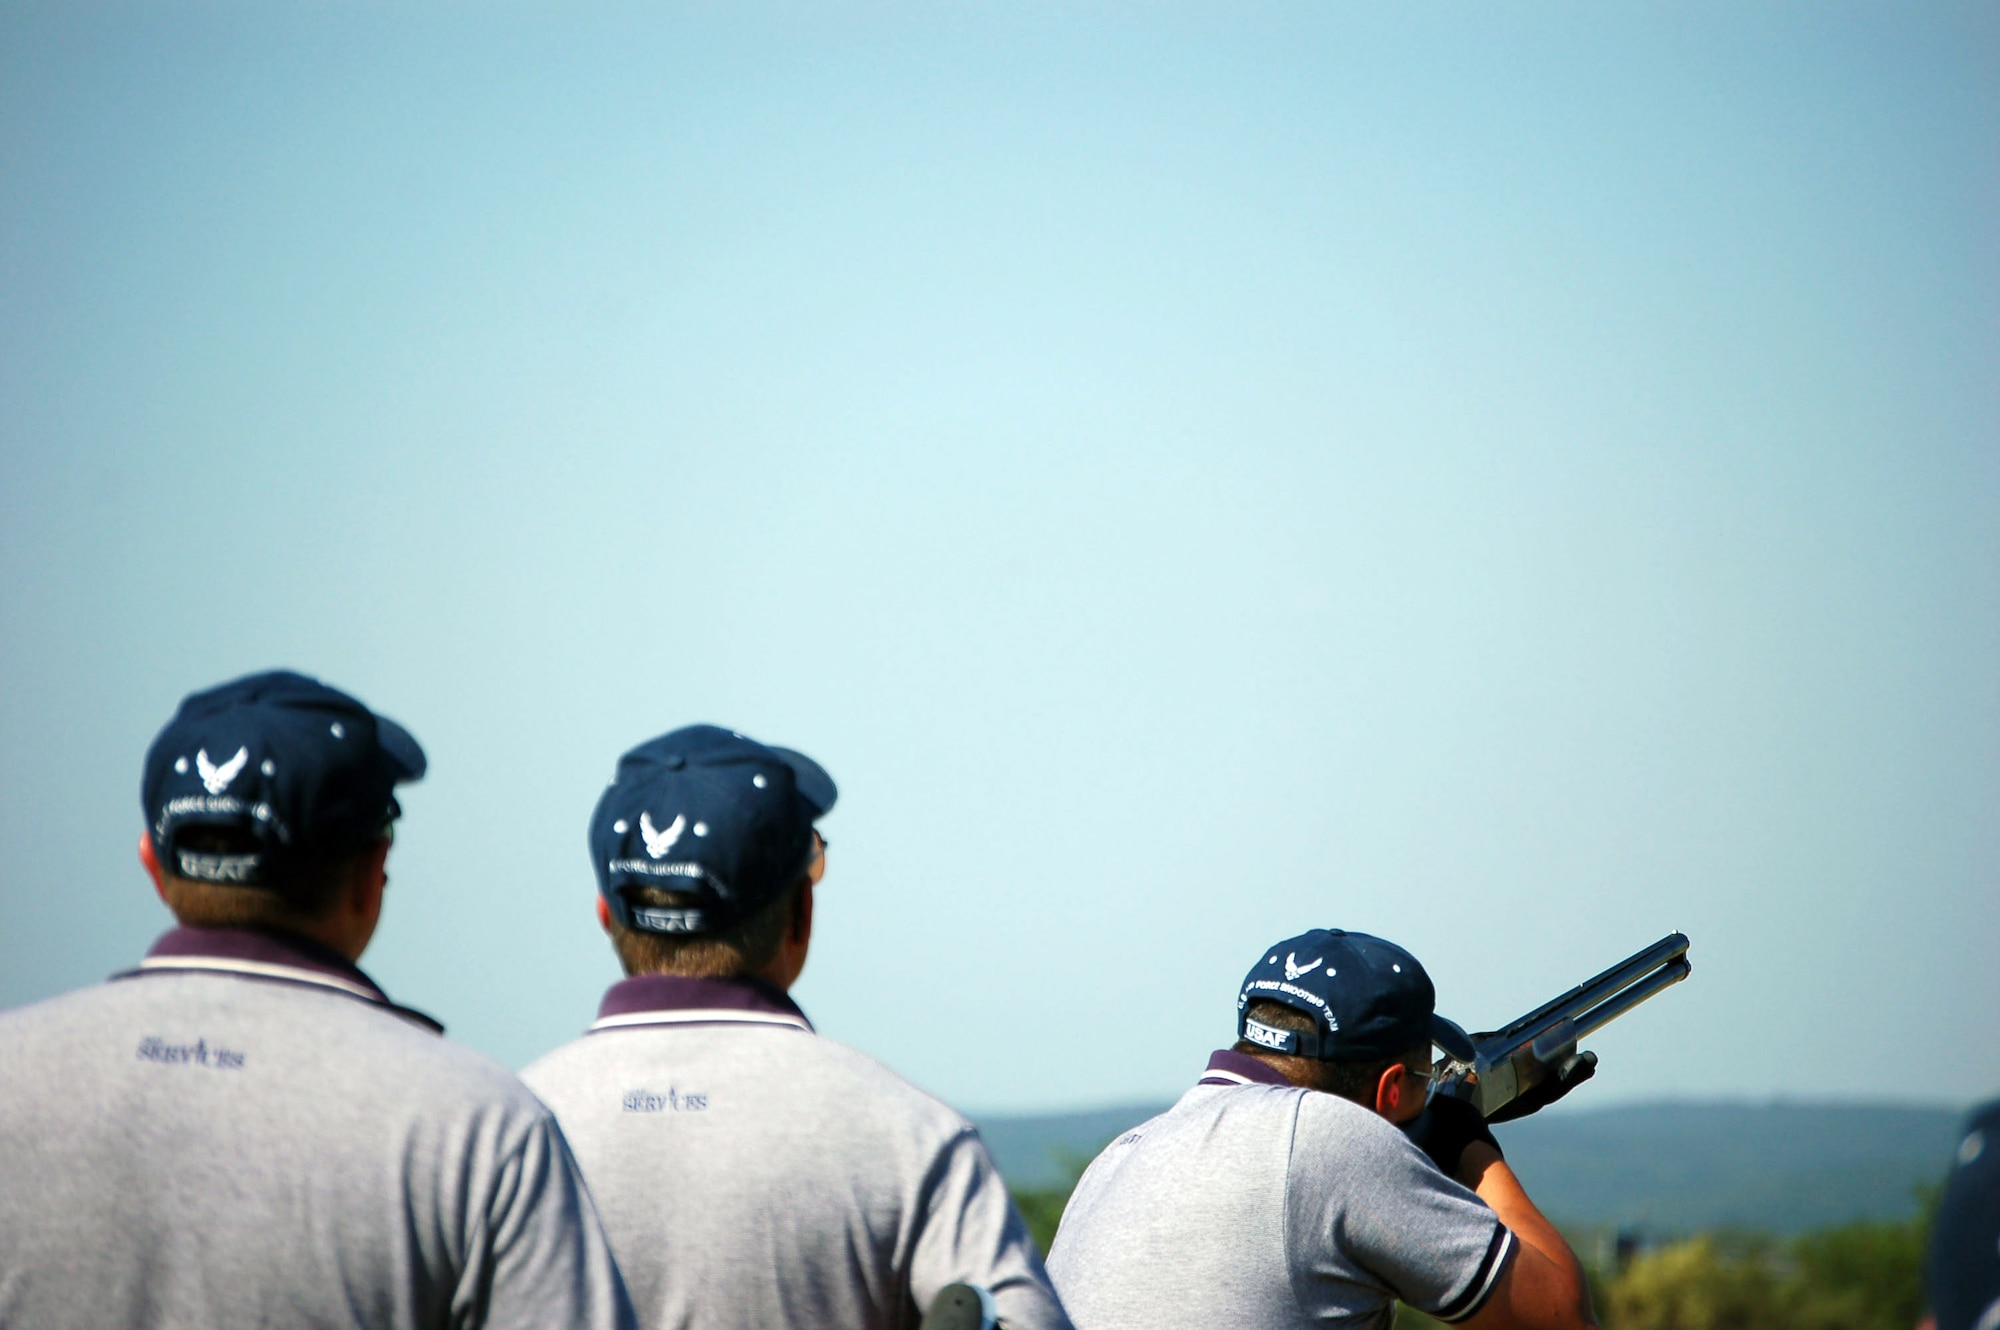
<point x="1499" y="1255"/>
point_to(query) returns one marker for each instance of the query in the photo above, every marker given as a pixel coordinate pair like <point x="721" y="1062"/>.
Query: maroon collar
<point x="672" y="999"/>
<point x="266" y="954"/>
<point x="1227" y="1067"/>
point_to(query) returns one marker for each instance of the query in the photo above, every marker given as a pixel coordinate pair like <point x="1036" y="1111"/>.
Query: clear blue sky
<point x="1514" y="479"/>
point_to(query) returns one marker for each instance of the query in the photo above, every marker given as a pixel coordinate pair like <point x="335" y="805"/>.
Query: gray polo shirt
<point x="1256" y="1203"/>
<point x="245" y="1132"/>
<point x="753" y="1175"/>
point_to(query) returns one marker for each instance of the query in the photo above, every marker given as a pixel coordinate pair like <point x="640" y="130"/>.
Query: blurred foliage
<point x="1695" y="1285"/>
<point x="1043" y="1210"/>
<point x="1862" y="1276"/>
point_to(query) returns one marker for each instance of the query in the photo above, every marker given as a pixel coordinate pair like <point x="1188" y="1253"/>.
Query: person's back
<point x="173" y="1139"/>
<point x="1288" y="1207"/>
<point x="751" y="1173"/>
<point x="1282" y="1191"/>
<point x="243" y="1131"/>
<point x="773" y="1177"/>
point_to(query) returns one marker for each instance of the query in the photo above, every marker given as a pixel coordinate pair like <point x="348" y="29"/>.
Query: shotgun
<point x="1493" y="1070"/>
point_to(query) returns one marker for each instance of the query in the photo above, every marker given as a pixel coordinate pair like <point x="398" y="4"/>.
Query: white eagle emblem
<point x="659" y="842"/>
<point x="1293" y="969"/>
<point x="217" y="778"/>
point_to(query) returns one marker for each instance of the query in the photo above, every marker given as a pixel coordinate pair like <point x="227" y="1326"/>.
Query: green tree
<point x="1043" y="1210"/>
<point x="1861" y="1276"/>
<point x="1858" y="1277"/>
<point x="1696" y="1285"/>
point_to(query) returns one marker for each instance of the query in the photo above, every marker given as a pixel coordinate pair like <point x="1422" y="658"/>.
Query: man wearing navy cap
<point x="1283" y="1191"/>
<point x="244" y="1131"/>
<point x="1962" y="1269"/>
<point x="750" y="1173"/>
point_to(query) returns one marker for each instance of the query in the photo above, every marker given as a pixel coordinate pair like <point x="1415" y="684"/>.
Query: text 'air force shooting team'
<point x="244" y="1130"/>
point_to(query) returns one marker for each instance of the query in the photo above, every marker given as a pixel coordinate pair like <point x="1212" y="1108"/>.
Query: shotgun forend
<point x="1493" y="1070"/>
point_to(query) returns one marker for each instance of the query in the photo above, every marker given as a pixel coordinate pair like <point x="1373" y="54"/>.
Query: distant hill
<point x="1661" y="1168"/>
<point x="1041" y="1152"/>
<point x="1783" y="1167"/>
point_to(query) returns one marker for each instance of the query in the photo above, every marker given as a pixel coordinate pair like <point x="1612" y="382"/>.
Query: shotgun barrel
<point x="1492" y="1070"/>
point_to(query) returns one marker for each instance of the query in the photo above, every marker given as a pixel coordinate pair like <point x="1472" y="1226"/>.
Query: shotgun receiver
<point x="1493" y="1070"/>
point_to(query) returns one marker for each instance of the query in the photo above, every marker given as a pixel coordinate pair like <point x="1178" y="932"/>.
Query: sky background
<point x="1517" y="480"/>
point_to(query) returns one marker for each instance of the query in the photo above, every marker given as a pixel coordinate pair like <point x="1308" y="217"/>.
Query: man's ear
<point x="371" y="877"/>
<point x="151" y="861"/>
<point x="604" y="914"/>
<point x="1389" y="1091"/>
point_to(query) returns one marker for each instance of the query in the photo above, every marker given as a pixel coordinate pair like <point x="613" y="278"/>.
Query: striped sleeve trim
<point x="1499" y="1255"/>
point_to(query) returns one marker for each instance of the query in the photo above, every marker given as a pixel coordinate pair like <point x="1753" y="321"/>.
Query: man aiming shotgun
<point x="1311" y="1177"/>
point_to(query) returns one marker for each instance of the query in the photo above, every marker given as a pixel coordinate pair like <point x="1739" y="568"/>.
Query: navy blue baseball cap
<point x="711" y="813"/>
<point x="1369" y="998"/>
<point x="303" y="768"/>
<point x="1962" y="1275"/>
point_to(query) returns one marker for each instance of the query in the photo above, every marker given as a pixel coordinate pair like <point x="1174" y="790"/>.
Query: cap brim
<point x="1452" y="1038"/>
<point x="815" y="786"/>
<point x="401" y="748"/>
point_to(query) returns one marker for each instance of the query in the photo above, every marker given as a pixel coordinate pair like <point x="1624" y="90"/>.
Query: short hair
<point x="1353" y="1081"/>
<point x="305" y="888"/>
<point x="743" y="948"/>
